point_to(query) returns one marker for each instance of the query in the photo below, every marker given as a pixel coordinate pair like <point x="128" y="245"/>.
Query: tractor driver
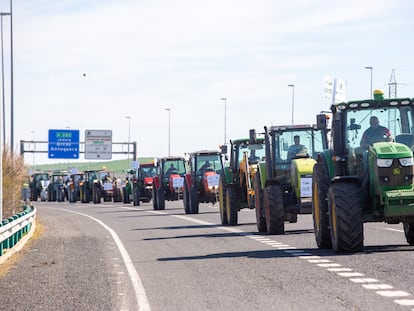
<point x="296" y="148"/>
<point x="171" y="170"/>
<point x="206" y="166"/>
<point x="375" y="133"/>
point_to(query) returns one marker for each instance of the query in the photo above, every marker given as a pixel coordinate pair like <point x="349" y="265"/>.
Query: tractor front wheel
<point x="274" y="211"/>
<point x="409" y="232"/>
<point x="320" y="186"/>
<point x="231" y="205"/>
<point x="345" y="217"/>
<point x="258" y="205"/>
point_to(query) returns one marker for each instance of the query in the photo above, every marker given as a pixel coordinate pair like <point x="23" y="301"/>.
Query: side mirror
<point x="321" y="121"/>
<point x="223" y="149"/>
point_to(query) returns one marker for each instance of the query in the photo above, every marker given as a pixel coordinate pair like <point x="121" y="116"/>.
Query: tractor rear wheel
<point x="186" y="198"/>
<point x="409" y="232"/>
<point x="345" y="217"/>
<point x="222" y="203"/>
<point x="194" y="203"/>
<point x="258" y="205"/>
<point x="274" y="211"/>
<point x="154" y="199"/>
<point x="320" y="186"/>
<point x="231" y="205"/>
<point x="160" y="199"/>
<point x="136" y="196"/>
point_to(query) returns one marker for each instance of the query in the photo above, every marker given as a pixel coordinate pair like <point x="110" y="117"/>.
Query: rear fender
<point x="156" y="181"/>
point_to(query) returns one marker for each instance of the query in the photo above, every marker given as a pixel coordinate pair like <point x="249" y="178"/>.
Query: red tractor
<point x="168" y="183"/>
<point x="202" y="181"/>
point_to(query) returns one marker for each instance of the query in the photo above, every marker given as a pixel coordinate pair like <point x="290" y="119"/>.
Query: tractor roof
<point x="259" y="140"/>
<point x="172" y="158"/>
<point x="287" y="128"/>
<point x="372" y="104"/>
<point x="204" y="152"/>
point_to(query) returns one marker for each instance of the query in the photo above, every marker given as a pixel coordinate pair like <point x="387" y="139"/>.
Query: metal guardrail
<point x="15" y="227"/>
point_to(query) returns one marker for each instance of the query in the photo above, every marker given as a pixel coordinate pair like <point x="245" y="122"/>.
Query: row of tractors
<point x="330" y="175"/>
<point x="341" y="182"/>
<point x="86" y="186"/>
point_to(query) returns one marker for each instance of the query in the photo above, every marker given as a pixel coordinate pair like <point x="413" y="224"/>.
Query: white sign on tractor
<point x="98" y="144"/>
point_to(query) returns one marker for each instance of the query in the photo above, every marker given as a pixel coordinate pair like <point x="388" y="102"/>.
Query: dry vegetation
<point x="14" y="175"/>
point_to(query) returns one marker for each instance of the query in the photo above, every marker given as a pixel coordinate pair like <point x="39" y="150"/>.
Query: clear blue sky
<point x="141" y="57"/>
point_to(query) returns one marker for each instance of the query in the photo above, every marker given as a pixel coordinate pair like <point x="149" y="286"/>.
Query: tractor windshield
<point x="209" y="162"/>
<point x="174" y="167"/>
<point x="255" y="152"/>
<point x="298" y="143"/>
<point x="365" y="127"/>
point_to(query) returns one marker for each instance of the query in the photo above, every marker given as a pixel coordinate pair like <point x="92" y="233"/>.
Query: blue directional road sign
<point x="63" y="144"/>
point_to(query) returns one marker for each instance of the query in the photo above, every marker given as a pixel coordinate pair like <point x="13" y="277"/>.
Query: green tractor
<point x="202" y="180"/>
<point x="367" y="175"/>
<point x="236" y="190"/>
<point x="283" y="182"/>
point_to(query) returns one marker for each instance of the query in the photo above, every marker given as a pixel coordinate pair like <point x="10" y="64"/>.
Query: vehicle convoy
<point x="202" y="180"/>
<point x="38" y="186"/>
<point x="367" y="175"/>
<point x="168" y="183"/>
<point x="236" y="190"/>
<point x="283" y="181"/>
<point x="140" y="181"/>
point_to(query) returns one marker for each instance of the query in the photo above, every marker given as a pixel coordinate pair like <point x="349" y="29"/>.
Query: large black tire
<point x="96" y="194"/>
<point x="320" y="186"/>
<point x="154" y="199"/>
<point x="186" y="198"/>
<point x="222" y="202"/>
<point x="125" y="195"/>
<point x="345" y="217"/>
<point x="258" y="205"/>
<point x="160" y="199"/>
<point x="232" y="205"/>
<point x="136" y="196"/>
<point x="274" y="211"/>
<point x="409" y="232"/>
<point x="194" y="202"/>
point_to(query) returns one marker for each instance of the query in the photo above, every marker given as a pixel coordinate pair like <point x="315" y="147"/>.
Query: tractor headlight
<point x="384" y="162"/>
<point x="406" y="161"/>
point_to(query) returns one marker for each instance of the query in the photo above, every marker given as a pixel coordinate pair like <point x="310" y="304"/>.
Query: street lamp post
<point x="129" y="136"/>
<point x="11" y="83"/>
<point x="293" y="99"/>
<point x="370" y="68"/>
<point x="225" y="118"/>
<point x="169" y="130"/>
<point x="2" y="76"/>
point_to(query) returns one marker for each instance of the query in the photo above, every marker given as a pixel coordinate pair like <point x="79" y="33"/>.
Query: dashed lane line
<point x="380" y="289"/>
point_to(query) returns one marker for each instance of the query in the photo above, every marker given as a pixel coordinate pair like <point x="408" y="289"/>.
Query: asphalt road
<point x="120" y="257"/>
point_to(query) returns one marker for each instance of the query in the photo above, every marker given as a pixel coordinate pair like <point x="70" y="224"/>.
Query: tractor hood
<point x="391" y="150"/>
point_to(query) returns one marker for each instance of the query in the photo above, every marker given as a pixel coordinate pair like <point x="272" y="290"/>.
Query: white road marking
<point x="321" y="262"/>
<point x="139" y="289"/>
